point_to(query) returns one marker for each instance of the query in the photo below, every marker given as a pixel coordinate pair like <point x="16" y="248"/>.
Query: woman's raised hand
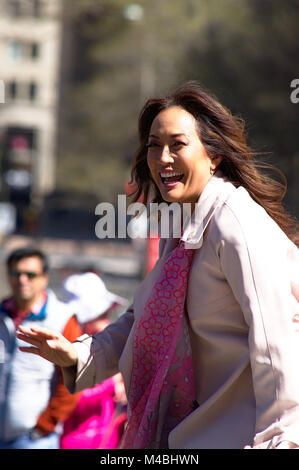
<point x="48" y="344"/>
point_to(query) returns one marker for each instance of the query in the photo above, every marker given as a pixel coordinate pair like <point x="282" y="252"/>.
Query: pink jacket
<point x="96" y="423"/>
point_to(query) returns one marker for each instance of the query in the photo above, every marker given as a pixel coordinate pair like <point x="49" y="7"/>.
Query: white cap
<point x="88" y="296"/>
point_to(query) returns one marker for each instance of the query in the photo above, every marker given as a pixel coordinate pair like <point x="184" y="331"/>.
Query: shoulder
<point x="5" y="305"/>
<point x="57" y="311"/>
<point x="241" y="208"/>
<point x="241" y="220"/>
<point x="54" y="302"/>
<point x="3" y="310"/>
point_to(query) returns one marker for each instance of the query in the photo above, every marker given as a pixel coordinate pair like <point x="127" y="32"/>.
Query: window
<point x="36" y="8"/>
<point x="18" y="50"/>
<point x="22" y="91"/>
<point x="14" y="7"/>
<point x="19" y="8"/>
<point x="15" y="49"/>
<point x="12" y="90"/>
<point x="32" y="91"/>
<point x="35" y="50"/>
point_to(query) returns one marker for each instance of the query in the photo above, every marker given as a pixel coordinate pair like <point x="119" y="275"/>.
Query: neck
<point x="27" y="305"/>
<point x="24" y="305"/>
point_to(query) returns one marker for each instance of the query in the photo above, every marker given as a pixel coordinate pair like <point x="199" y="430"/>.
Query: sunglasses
<point x="29" y="274"/>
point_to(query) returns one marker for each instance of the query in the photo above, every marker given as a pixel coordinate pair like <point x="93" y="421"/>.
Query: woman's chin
<point x="171" y="193"/>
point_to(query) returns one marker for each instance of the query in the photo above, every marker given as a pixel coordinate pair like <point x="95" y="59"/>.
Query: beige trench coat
<point x="241" y="299"/>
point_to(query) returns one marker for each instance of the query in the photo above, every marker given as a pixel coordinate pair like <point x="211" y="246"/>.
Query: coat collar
<point x="214" y="195"/>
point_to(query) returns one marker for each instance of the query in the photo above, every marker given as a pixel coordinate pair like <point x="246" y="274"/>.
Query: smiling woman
<point x="219" y="139"/>
<point x="176" y="158"/>
<point x="208" y="345"/>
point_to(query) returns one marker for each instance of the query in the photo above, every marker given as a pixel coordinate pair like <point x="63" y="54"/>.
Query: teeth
<point x="166" y="174"/>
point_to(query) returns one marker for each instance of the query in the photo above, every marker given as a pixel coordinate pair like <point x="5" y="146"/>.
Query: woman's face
<point x="176" y="157"/>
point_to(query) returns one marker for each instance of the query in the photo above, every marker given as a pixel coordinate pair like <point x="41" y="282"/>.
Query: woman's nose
<point x="166" y="156"/>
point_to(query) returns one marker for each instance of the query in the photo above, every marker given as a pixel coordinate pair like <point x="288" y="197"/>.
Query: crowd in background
<point x="36" y="410"/>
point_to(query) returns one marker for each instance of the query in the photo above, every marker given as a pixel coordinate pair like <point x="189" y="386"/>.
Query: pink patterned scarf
<point x="162" y="391"/>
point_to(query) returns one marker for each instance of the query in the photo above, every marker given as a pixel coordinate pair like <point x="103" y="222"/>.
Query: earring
<point x="212" y="171"/>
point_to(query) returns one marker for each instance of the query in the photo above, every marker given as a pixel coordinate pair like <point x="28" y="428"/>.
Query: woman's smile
<point x="171" y="178"/>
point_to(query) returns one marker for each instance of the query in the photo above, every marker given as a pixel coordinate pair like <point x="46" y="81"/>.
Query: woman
<point x="207" y="348"/>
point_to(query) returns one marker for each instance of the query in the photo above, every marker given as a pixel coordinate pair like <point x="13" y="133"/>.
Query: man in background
<point x="33" y="398"/>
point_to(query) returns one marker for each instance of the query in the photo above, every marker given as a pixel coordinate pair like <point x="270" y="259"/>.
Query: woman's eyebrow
<point x="172" y="135"/>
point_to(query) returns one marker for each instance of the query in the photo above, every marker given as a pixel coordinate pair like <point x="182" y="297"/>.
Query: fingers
<point x="30" y="350"/>
<point x="38" y="332"/>
<point x="28" y="339"/>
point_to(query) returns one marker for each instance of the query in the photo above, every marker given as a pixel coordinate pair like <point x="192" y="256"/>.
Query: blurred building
<point x="30" y="66"/>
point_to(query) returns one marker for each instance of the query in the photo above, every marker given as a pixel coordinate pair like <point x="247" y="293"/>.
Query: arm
<point x="87" y="361"/>
<point x="98" y="355"/>
<point x="61" y="403"/>
<point x="253" y="256"/>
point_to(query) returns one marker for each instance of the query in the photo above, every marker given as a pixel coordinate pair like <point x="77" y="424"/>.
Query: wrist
<point x="73" y="357"/>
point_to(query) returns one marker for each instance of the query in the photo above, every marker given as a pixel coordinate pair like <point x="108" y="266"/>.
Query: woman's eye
<point x="151" y="144"/>
<point x="178" y="143"/>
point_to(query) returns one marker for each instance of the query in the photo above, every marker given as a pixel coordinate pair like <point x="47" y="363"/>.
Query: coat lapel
<point x="213" y="196"/>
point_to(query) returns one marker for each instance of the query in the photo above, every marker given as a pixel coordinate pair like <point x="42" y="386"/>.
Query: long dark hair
<point x="222" y="134"/>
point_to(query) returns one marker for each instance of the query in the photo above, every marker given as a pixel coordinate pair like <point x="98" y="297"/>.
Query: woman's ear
<point x="214" y="164"/>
